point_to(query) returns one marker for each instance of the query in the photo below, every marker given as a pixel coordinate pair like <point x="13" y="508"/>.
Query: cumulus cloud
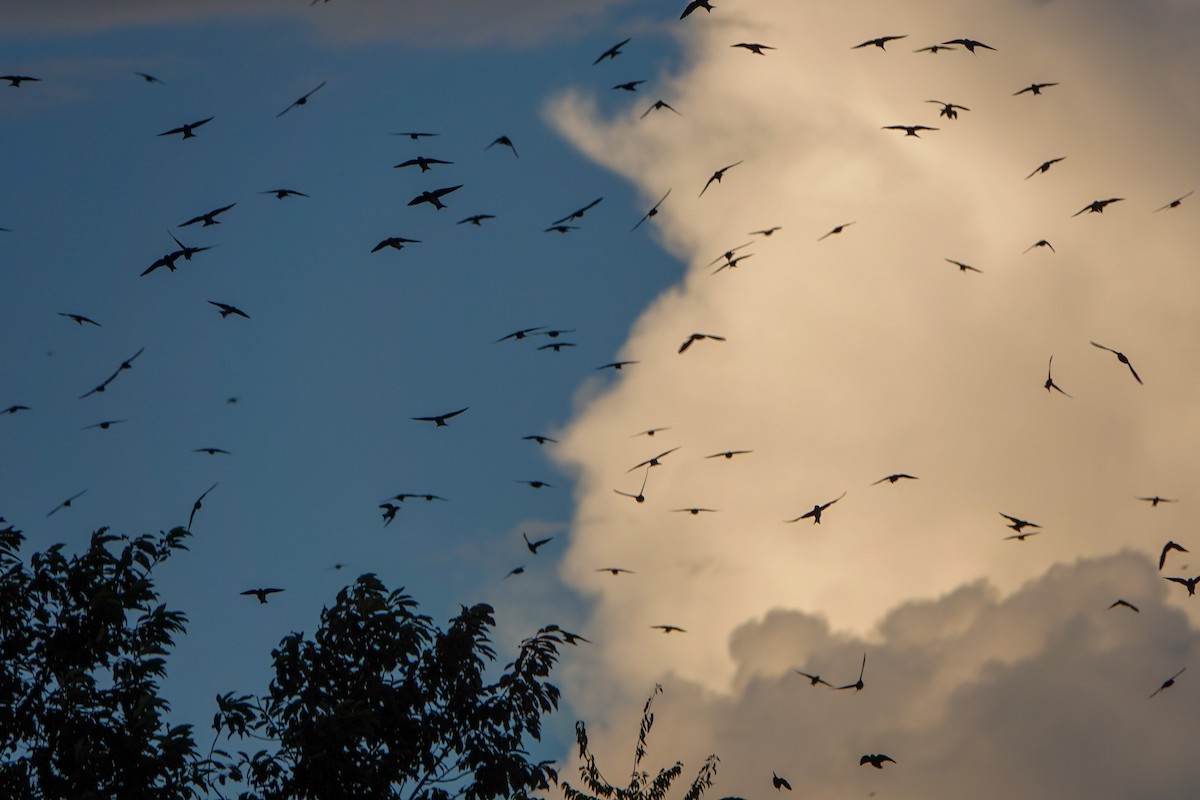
<point x="1043" y="692"/>
<point x="867" y="353"/>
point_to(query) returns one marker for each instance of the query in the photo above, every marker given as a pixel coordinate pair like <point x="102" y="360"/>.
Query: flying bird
<point x="616" y="365"/>
<point x="561" y="229"/>
<point x="1020" y="537"/>
<point x="875" y="760"/>
<point x="817" y="510"/>
<point x="1045" y="165"/>
<point x="963" y="267"/>
<point x="1168" y="547"/>
<point x="415" y="135"/>
<point x="147" y="77"/>
<point x="578" y="213"/>
<point x="212" y="451"/>
<point x="970" y="44"/>
<point x="515" y="571"/>
<point x="1190" y="583"/>
<point x="184" y="250"/>
<point x="476" y="219"/>
<point x="1126" y="604"/>
<point x="615" y="570"/>
<point x="506" y="142"/>
<point x="1175" y="203"/>
<point x="1034" y="88"/>
<point x="420" y="161"/>
<point x="302" y="101"/>
<point x="696" y="4"/>
<point x="656" y="106"/>
<point x="1050" y="384"/>
<point x="227" y="309"/>
<point x="428" y="498"/>
<point x="15" y="409"/>
<point x="439" y="420"/>
<point x="16" y="80"/>
<point x="79" y="318"/>
<point x="695" y="510"/>
<point x="1017" y="524"/>
<point x="1097" y="206"/>
<point x="126" y="364"/>
<point x="611" y="52"/>
<point x="732" y="263"/>
<point x="716" y="176"/>
<point x="208" y="219"/>
<point x="766" y="231"/>
<point x="880" y="42"/>
<point x="779" y="782"/>
<point x="895" y="477"/>
<point x="654" y="461"/>
<point x="519" y="334"/>
<point x="814" y="679"/>
<point x="539" y="439"/>
<point x="1122" y="358"/>
<point x="753" y="47"/>
<point x="187" y="130"/>
<point x="434" y="197"/>
<point x="728" y="254"/>
<point x="668" y="628"/>
<point x="1155" y="500"/>
<point x="536" y="543"/>
<point x="729" y="454"/>
<point x="1039" y="243"/>
<point x="261" y="594"/>
<point x="105" y="425"/>
<point x="196" y="505"/>
<point x="934" y="48"/>
<point x="909" y="130"/>
<point x="948" y="110"/>
<point x="629" y="86"/>
<point x="389" y="512"/>
<point x="65" y="503"/>
<point x="651" y="213"/>
<point x="696" y="337"/>
<point x="283" y="193"/>
<point x="1168" y="683"/>
<point x="857" y="685"/>
<point x="650" y="432"/>
<point x="396" y="242"/>
<point x="835" y="229"/>
<point x="557" y="346"/>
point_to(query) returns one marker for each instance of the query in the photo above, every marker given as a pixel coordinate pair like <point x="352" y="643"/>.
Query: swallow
<point x="539" y="439"/>
<point x="696" y="337"/>
<point x="765" y="231"/>
<point x="651" y="213"/>
<point x="1045" y="165"/>
<point x="389" y="512"/>
<point x="857" y="685"/>
<point x="396" y="242"/>
<point x="1168" y="683"/>
<point x="572" y="638"/>
<point x="650" y="432"/>
<point x="1122" y="358"/>
<point x="506" y="142"/>
<point x="716" y="176"/>
<point x="1168" y="547"/>
<point x="817" y="510"/>
<point x="1034" y="88"/>
<point x="147" y="78"/>
<point x="65" y="503"/>
<point x="126" y="364"/>
<point x="732" y="263"/>
<point x="208" y="219"/>
<point x="1016" y="523"/>
<point x="435" y="197"/>
<point x="629" y="86"/>
<point x="283" y="193"/>
<point x="302" y="101"/>
<point x="875" y="760"/>
<point x="167" y="261"/>
<point x="15" y="409"/>
<point x="836" y="229"/>
<point x="616" y="365"/>
<point x="728" y="254"/>
<point x="196" y="505"/>
<point x="561" y="229"/>
<point x="1126" y="604"/>
<point x="227" y="309"/>
<point x="17" y="80"/>
<point x="880" y="42"/>
<point x="536" y="543"/>
<point x="420" y="161"/>
<point x="439" y="420"/>
<point x="668" y="628"/>
<point x="556" y="332"/>
<point x="476" y="219"/>
<point x="653" y="461"/>
<point x="1050" y="384"/>
<point x="753" y="47"/>
<point x="105" y="425"/>
<point x="948" y="110"/>
<point x="557" y="346"/>
<point x="963" y="267"/>
<point x="934" y="48"/>
<point x="909" y="130"/>
<point x="187" y="130"/>
<point x="212" y="451"/>
<point x="1175" y="203"/>
<point x="695" y="510"/>
<point x="696" y="4"/>
<point x="261" y="594"/>
<point x="184" y="250"/>
<point x="657" y="105"/>
<point x="578" y="213"/>
<point x="640" y="497"/>
<point x="521" y="334"/>
<point x="970" y="44"/>
<point x="1097" y="206"/>
<point x="611" y="52"/>
<point x="1020" y="537"/>
<point x="729" y="454"/>
<point x="415" y="135"/>
<point x="779" y="782"/>
<point x="1039" y="243"/>
<point x="1190" y="583"/>
<point x="428" y="498"/>
<point x="615" y="570"/>
<point x="1155" y="500"/>
<point x="79" y="318"/>
<point x="515" y="571"/>
<point x="895" y="477"/>
<point x="814" y="679"/>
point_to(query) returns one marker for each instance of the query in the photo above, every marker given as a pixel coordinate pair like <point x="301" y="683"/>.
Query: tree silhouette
<point x="641" y="786"/>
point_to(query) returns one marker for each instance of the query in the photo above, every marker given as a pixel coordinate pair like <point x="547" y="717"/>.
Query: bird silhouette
<point x="653" y="212"/>
<point x="1190" y="583"/>
<point x="301" y="101"/>
<point x="434" y="197"/>
<point x="476" y="219"/>
<point x="1155" y="500"/>
<point x="668" y="628"/>
<point x="1045" y="165"/>
<point x="126" y="364"/>
<point x="765" y="231"/>
<point x="187" y="130"/>
<point x="654" y="461"/>
<point x="389" y="512"/>
<point x="537" y="484"/>
<point x="1175" y="203"/>
<point x="728" y="254"/>
<point x="732" y="263"/>
<point x="857" y="685"/>
<point x="515" y="571"/>
<point x="1034" y="88"/>
<point x="261" y="594"/>
<point x="439" y="420"/>
<point x="395" y="242"/>
<point x="196" y="505"/>
<point x="616" y="365"/>
<point x="536" y="543"/>
<point x="15" y="409"/>
<point x="227" y="309"/>
<point x="876" y="760"/>
<point x="729" y="454"/>
<point x="934" y="48"/>
<point x="1168" y="683"/>
<point x="147" y="77"/>
<point x="1122" y="358"/>
<point x="1126" y="604"/>
<point x="948" y="110"/>
<point x="557" y="346"/>
<point x="1039" y="243"/>
<point x="1097" y="206"/>
<point x="79" y="318"/>
<point x="909" y="130"/>
<point x="716" y="176"/>
<point x="66" y="503"/>
<point x="1050" y="384"/>
<point x="615" y="570"/>
<point x="629" y="86"/>
<point x="539" y="439"/>
<point x="970" y="44"/>
<point x="879" y="42"/>
<point x="186" y="252"/>
<point x="428" y="498"/>
<point x="696" y="337"/>
<point x="817" y="510"/>
<point x="814" y="679"/>
<point x="105" y="425"/>
<point x="561" y="229"/>
<point x="15" y="81"/>
<point x="694" y="5"/>
<point x="212" y="451"/>
<point x="519" y="334"/>
<point x="895" y="477"/>
<point x="420" y="161"/>
<point x="641" y="495"/>
<point x="611" y="52"/>
<point x="695" y="510"/>
<point x="208" y="219"/>
<point x="505" y="142"/>
<point x="753" y="47"/>
<point x="284" y="193"/>
<point x="1018" y="524"/>
<point x="835" y="230"/>
<point x="963" y="267"/>
<point x="577" y="213"/>
<point x="1020" y="537"/>
<point x="780" y="782"/>
<point x="656" y="106"/>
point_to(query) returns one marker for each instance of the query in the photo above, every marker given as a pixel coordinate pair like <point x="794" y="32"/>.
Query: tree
<point x="380" y="703"/>
<point x="641" y="786"/>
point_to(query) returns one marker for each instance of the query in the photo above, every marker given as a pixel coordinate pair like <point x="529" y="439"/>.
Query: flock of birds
<point x="551" y="338"/>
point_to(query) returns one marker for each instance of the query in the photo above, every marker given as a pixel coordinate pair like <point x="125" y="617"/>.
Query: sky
<point x="994" y="666"/>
